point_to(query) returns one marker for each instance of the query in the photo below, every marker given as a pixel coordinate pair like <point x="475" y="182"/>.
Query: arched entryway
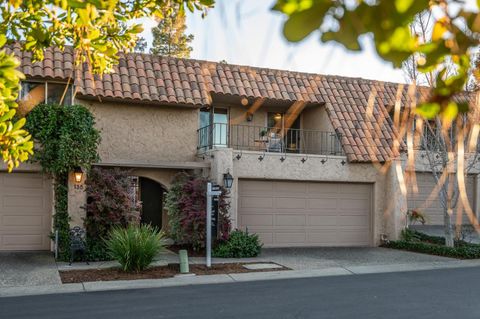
<point x="152" y="195"/>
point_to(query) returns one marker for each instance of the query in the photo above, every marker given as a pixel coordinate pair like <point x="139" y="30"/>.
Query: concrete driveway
<point x="319" y="258"/>
<point x="28" y="269"/>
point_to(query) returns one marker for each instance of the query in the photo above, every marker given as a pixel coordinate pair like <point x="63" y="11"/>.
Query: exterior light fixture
<point x="78" y="175"/>
<point x="249" y="116"/>
<point x="277" y="117"/>
<point x="227" y="180"/>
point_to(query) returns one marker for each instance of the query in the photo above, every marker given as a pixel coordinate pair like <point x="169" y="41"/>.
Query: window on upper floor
<point x="34" y="93"/>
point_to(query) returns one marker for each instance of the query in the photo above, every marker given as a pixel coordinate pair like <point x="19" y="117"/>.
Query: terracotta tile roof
<point x="367" y="133"/>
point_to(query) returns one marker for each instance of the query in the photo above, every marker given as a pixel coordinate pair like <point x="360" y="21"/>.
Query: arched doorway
<point x="151" y="195"/>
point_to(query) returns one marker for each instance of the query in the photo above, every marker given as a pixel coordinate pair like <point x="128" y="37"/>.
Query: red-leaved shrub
<point x="186" y="206"/>
<point x="109" y="201"/>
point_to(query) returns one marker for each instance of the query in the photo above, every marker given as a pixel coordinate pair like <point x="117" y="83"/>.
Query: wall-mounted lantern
<point x="249" y="116"/>
<point x="78" y="175"/>
<point x="227" y="180"/>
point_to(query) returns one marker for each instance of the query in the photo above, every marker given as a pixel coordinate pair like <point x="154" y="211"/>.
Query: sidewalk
<point x="186" y="280"/>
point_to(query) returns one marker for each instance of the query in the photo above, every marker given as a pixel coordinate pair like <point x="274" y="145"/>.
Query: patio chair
<point x="78" y="244"/>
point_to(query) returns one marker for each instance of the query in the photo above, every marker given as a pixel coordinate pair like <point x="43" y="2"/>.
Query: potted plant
<point x="263" y="134"/>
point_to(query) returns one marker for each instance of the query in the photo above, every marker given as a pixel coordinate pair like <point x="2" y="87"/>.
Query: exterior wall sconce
<point x="227" y="180"/>
<point x="249" y="116"/>
<point x="78" y="175"/>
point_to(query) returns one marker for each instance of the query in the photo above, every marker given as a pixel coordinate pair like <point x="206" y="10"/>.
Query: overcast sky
<point x="247" y="32"/>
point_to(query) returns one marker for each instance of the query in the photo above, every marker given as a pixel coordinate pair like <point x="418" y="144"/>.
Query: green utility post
<point x="183" y="254"/>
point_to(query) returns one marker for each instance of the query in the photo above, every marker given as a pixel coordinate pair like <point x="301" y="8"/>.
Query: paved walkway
<point x="28" y="269"/>
<point x="299" y="258"/>
<point x="37" y="273"/>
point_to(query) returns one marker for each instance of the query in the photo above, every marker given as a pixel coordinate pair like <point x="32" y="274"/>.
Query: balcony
<point x="268" y="139"/>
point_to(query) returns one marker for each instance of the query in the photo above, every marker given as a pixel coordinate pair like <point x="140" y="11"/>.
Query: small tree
<point x="169" y="36"/>
<point x="440" y="145"/>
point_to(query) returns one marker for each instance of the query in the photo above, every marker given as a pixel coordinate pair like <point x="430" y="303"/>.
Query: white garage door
<point x="25" y="211"/>
<point x="433" y="208"/>
<point x="285" y="213"/>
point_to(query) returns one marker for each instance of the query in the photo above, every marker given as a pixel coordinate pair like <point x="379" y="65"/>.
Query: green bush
<point x="239" y="245"/>
<point x="462" y="251"/>
<point x="135" y="247"/>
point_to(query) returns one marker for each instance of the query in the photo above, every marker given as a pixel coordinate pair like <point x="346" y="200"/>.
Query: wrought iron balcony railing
<point x="268" y="139"/>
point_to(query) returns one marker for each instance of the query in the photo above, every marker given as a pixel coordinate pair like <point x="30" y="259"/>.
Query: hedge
<point x="461" y="251"/>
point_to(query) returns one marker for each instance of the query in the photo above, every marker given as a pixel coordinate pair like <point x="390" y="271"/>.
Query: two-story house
<point x="303" y="148"/>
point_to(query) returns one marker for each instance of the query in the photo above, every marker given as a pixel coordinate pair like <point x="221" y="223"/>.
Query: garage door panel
<point x="257" y="220"/>
<point x="290" y="220"/>
<point x="359" y="220"/>
<point x="254" y="187"/>
<point x="22" y="181"/>
<point x="256" y="202"/>
<point x="322" y="220"/>
<point x="290" y="237"/>
<point x="286" y="188"/>
<point x="322" y="204"/>
<point x="323" y="215"/>
<point x="298" y="203"/>
<point x="22" y="221"/>
<point x="25" y="211"/>
<point x="322" y="188"/>
<point x="30" y="202"/>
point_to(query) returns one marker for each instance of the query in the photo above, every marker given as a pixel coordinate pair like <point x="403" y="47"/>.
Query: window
<point x="34" y="93"/>
<point x="213" y="127"/>
<point x="57" y="93"/>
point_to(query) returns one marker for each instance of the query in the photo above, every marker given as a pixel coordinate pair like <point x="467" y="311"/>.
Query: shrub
<point x="186" y="206"/>
<point x="110" y="202"/>
<point x="239" y="245"/>
<point x="135" y="247"/>
<point x="464" y="251"/>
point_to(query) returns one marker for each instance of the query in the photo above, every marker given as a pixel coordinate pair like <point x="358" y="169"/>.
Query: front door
<point x="151" y="195"/>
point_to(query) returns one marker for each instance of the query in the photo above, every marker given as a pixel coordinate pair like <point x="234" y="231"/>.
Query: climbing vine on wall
<point x="65" y="138"/>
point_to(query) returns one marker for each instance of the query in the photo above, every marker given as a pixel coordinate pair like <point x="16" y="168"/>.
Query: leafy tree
<point x="169" y="36"/>
<point x="141" y="45"/>
<point x="455" y="33"/>
<point x="97" y="30"/>
<point x="436" y="41"/>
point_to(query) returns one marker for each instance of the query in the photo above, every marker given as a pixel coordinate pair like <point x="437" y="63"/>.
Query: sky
<point x="247" y="32"/>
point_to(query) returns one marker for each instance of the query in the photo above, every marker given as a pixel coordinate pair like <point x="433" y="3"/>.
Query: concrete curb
<point x="229" y="278"/>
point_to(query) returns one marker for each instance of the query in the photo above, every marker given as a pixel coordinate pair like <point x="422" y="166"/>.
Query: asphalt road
<point x="448" y="293"/>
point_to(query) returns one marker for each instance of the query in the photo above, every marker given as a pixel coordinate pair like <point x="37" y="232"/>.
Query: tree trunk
<point x="448" y="229"/>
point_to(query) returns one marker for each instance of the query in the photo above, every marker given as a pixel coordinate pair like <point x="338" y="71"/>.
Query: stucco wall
<point x="145" y="133"/>
<point x="386" y="215"/>
<point x="316" y="118"/>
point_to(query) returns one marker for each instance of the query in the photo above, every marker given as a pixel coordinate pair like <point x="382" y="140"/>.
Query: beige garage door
<point x="286" y="214"/>
<point x="25" y="211"/>
<point x="433" y="208"/>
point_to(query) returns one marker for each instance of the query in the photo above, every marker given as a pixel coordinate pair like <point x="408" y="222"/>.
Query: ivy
<point x="66" y="135"/>
<point x="61" y="218"/>
<point x="66" y="138"/>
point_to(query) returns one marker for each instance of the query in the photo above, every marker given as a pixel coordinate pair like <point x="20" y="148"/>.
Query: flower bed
<point x="158" y="272"/>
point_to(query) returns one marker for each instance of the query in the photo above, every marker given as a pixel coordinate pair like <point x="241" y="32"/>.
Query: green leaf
<point x="403" y="5"/>
<point x="428" y="110"/>
<point x="300" y="24"/>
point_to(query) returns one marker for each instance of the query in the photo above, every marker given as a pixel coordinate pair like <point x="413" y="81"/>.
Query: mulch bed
<point x="191" y="252"/>
<point x="158" y="272"/>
